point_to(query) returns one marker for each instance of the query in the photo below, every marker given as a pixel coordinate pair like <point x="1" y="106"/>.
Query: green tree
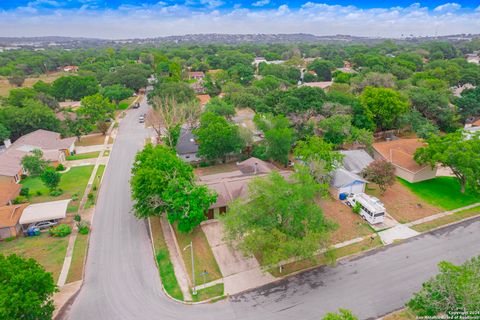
<point x="320" y="157"/>
<point x="4" y="133"/>
<point x="434" y="105"/>
<point x="26" y="289"/>
<point x="163" y="183"/>
<point x="469" y="103"/>
<point x="384" y="105"/>
<point x="178" y="90"/>
<point x="343" y="314"/>
<point x="220" y="107"/>
<point x="74" y="87"/>
<point x="457" y="152"/>
<point x="454" y="289"/>
<point x="279" y="219"/>
<point x="322" y="68"/>
<point x="17" y="97"/>
<point x="95" y="108"/>
<point x="34" y="163"/>
<point x="116" y="93"/>
<point x="17" y="79"/>
<point x="133" y="76"/>
<point x="217" y="137"/>
<point x="279" y="137"/>
<point x="51" y="178"/>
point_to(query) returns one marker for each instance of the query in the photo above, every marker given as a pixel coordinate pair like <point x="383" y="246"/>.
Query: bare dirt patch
<point x="402" y="204"/>
<point x="220" y="168"/>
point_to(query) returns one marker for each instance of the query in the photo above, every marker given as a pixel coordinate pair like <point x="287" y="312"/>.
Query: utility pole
<point x="194" y="290"/>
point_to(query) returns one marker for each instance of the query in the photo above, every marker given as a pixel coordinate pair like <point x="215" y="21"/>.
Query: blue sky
<point x="149" y="18"/>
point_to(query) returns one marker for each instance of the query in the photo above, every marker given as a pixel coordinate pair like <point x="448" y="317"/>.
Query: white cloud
<point x="261" y="3"/>
<point x="448" y="7"/>
<point x="207" y="16"/>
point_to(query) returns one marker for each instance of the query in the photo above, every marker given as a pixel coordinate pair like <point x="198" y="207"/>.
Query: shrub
<point x="94" y="188"/>
<point x="60" y="167"/>
<point x="90" y="196"/>
<point x="74" y="197"/>
<point x="62" y="230"/>
<point x="25" y="191"/>
<point x="83" y="227"/>
<point x="356" y="208"/>
<point x="9" y="239"/>
<point x="56" y="193"/>
<point x="23" y="176"/>
<point x="77" y="218"/>
<point x="38" y="193"/>
<point x="19" y="199"/>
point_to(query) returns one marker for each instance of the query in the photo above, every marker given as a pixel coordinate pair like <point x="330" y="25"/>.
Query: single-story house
<point x="187" y="147"/>
<point x="70" y="68"/>
<point x="9" y="220"/>
<point x="356" y="160"/>
<point x="197" y="75"/>
<point x="234" y="184"/>
<point x="203" y="98"/>
<point x="38" y="212"/>
<point x="321" y="84"/>
<point x="9" y="190"/>
<point x="345" y="181"/>
<point x="400" y="153"/>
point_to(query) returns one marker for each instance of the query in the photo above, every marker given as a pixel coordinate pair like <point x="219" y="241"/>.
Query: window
<point x="381" y="214"/>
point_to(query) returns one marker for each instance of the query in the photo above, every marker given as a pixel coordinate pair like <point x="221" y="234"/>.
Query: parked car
<point x="136" y="105"/>
<point x="43" y="224"/>
<point x="141" y="119"/>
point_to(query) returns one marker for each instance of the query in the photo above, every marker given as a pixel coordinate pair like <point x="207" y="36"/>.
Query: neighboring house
<point x="187" y="147"/>
<point x="54" y="149"/>
<point x="196" y="75"/>
<point x="203" y="98"/>
<point x="356" y="160"/>
<point x="232" y="185"/>
<point x="70" y="68"/>
<point x="473" y="58"/>
<point x="347" y="182"/>
<point x="321" y="84"/>
<point x="9" y="220"/>
<point x="400" y="153"/>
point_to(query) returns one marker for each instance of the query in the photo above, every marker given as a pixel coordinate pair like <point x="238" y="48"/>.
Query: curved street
<point x="122" y="282"/>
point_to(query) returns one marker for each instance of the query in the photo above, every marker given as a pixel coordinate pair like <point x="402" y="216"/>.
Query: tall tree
<point x="116" y="93"/>
<point x="163" y="183"/>
<point x="34" y="163"/>
<point x="455" y="289"/>
<point x="220" y="107"/>
<point x="322" y="68"/>
<point x="95" y="108"/>
<point x="74" y="87"/>
<point x="51" y="178"/>
<point x="26" y="289"/>
<point x="279" y="137"/>
<point x="4" y="133"/>
<point x="384" y="105"/>
<point x="216" y="137"/>
<point x="457" y="152"/>
<point x="278" y="219"/>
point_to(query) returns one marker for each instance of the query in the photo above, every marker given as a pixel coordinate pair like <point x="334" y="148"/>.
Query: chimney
<point x="7" y="143"/>
<point x="255" y="168"/>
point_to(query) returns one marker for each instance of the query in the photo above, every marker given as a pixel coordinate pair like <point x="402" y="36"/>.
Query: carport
<point x="54" y="210"/>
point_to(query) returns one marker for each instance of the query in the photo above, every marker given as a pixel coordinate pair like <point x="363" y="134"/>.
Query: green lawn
<point x="209" y="293"/>
<point x="203" y="255"/>
<point x="443" y="192"/>
<point x="74" y="181"/>
<point x="47" y="251"/>
<point x="167" y="274"/>
<point x="82" y="156"/>
<point x="79" y="251"/>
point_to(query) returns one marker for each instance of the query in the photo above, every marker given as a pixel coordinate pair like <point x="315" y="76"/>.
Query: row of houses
<point x="54" y="148"/>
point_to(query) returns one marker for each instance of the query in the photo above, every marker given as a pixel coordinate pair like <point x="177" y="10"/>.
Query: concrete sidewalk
<point x="440" y="215"/>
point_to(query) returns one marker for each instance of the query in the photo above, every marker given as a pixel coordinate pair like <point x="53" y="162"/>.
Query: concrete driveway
<point x="240" y="273"/>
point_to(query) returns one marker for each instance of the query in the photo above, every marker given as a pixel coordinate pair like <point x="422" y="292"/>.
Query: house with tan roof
<point x="9" y="220"/>
<point x="234" y="184"/>
<point x="400" y="153"/>
<point x="196" y="75"/>
<point x="203" y="98"/>
<point x="54" y="149"/>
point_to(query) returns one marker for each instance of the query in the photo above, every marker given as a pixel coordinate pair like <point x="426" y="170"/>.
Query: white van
<point x="371" y="209"/>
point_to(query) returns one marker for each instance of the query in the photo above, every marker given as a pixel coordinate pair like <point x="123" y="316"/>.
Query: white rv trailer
<point x="371" y="209"/>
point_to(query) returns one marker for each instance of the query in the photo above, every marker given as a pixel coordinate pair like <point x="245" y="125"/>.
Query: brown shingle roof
<point x="9" y="215"/>
<point x="400" y="152"/>
<point x="45" y="139"/>
<point x="8" y="191"/>
<point x="204" y="98"/>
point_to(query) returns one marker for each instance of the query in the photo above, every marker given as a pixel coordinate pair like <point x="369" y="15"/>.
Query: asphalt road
<point x="122" y="282"/>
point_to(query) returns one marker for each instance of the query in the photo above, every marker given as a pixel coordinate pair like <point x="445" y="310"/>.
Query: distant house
<point x="232" y="185"/>
<point x="54" y="149"/>
<point x="258" y="60"/>
<point x="196" y="75"/>
<point x="347" y="182"/>
<point x="244" y="118"/>
<point x="187" y="147"/>
<point x="9" y="220"/>
<point x="400" y="153"/>
<point x="66" y="115"/>
<point x="203" y="98"/>
<point x="473" y="58"/>
<point x="70" y="104"/>
<point x="70" y="68"/>
<point x="321" y="84"/>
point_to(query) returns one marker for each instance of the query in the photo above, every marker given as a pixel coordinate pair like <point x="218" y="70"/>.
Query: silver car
<point x="43" y="224"/>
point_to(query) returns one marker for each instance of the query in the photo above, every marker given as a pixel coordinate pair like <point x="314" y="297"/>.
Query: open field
<point x="457" y="216"/>
<point x="82" y="156"/>
<point x="203" y="255"/>
<point x="47" y="251"/>
<point x="167" y="274"/>
<point x="78" y="257"/>
<point x="443" y="192"/>
<point x="5" y="87"/>
<point x="402" y="204"/>
<point x="350" y="225"/>
<point x="74" y="181"/>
